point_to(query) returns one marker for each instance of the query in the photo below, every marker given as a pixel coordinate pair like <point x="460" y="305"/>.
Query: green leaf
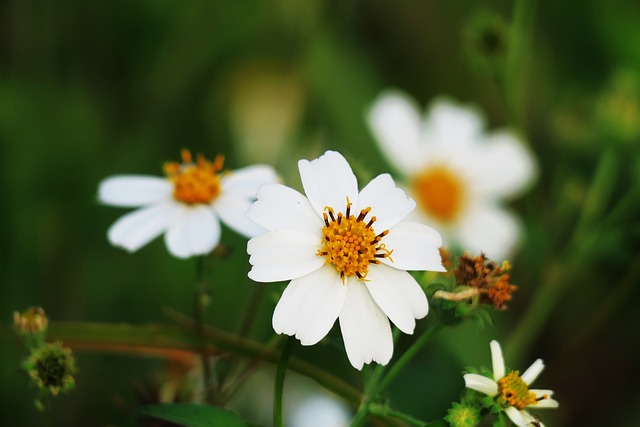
<point x="193" y="415"/>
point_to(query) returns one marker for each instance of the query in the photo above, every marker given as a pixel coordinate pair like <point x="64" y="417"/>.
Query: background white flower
<point x="345" y="253"/>
<point x="455" y="172"/>
<point x="188" y="204"/>
<point x="512" y="390"/>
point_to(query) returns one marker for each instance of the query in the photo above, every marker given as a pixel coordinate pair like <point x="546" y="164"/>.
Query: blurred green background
<point x="93" y="89"/>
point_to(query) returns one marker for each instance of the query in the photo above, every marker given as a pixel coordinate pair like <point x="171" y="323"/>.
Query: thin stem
<point x="45" y="409"/>
<point x="523" y="14"/>
<point x="385" y="411"/>
<point x="180" y="343"/>
<point x="562" y="275"/>
<point x="199" y="311"/>
<point x="374" y="389"/>
<point x="279" y="382"/>
<point x="408" y="355"/>
<point x="252" y="309"/>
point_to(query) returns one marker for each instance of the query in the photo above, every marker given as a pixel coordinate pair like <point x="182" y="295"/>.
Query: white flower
<point x="188" y="204"/>
<point x="511" y="390"/>
<point x="345" y="253"/>
<point x="455" y="172"/>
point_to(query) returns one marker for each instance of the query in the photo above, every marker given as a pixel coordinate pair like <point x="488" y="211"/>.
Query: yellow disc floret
<point x="440" y="192"/>
<point x="195" y="183"/>
<point x="350" y="243"/>
<point x="513" y="391"/>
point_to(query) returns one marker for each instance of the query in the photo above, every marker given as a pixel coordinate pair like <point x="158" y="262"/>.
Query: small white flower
<point x="188" y="204"/>
<point x="511" y="390"/>
<point x="455" y="172"/>
<point x="345" y="253"/>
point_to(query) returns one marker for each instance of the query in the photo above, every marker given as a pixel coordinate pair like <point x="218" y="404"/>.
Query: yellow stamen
<point x="440" y="192"/>
<point x="350" y="243"/>
<point x="513" y="391"/>
<point x="195" y="183"/>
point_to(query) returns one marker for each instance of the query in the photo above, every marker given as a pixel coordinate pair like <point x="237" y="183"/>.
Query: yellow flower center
<point x="440" y="192"/>
<point x="350" y="244"/>
<point x="195" y="183"/>
<point x="513" y="391"/>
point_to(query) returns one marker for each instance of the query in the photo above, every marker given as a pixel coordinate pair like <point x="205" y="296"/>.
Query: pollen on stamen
<point x="513" y="391"/>
<point x="441" y="192"/>
<point x="195" y="183"/>
<point x="350" y="244"/>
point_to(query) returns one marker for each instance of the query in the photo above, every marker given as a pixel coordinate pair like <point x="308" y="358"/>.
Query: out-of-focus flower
<point x="511" y="390"/>
<point x="345" y="253"/>
<point x="618" y="108"/>
<point x="188" y="204"/>
<point x="51" y="367"/>
<point x="486" y="41"/>
<point x="320" y="411"/>
<point x="455" y="172"/>
<point x="261" y="131"/>
<point x="32" y="321"/>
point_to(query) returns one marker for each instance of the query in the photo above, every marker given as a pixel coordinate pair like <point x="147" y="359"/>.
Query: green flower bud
<point x="462" y="415"/>
<point x="51" y="368"/>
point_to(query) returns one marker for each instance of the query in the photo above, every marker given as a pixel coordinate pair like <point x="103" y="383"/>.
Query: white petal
<point x="388" y="203"/>
<point x="398" y="295"/>
<point x="540" y="392"/>
<point x="283" y="207"/>
<point x="502" y="166"/>
<point x="532" y="373"/>
<point x="246" y="181"/>
<point x="136" y="229"/>
<point x="134" y="190"/>
<point x="516" y="416"/>
<point x="482" y="384"/>
<point x="328" y="181"/>
<point x="284" y="254"/>
<point x="310" y="305"/>
<point x="489" y="229"/>
<point x="365" y="328"/>
<point x="415" y="247"/>
<point x="546" y="403"/>
<point x="195" y="232"/>
<point x="529" y="419"/>
<point x="497" y="360"/>
<point x="232" y="210"/>
<point x="453" y="124"/>
<point x="396" y="124"/>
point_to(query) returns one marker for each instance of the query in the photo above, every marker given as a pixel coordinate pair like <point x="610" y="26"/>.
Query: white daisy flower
<point x="188" y="204"/>
<point x="455" y="172"/>
<point x="345" y="253"/>
<point x="511" y="390"/>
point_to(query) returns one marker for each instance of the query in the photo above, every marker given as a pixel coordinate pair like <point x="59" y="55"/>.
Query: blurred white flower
<point x="512" y="390"/>
<point x="456" y="173"/>
<point x="345" y="253"/>
<point x="188" y="204"/>
<point x="320" y="410"/>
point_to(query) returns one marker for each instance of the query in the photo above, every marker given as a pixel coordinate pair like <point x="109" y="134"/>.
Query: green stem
<point x="279" y="382"/>
<point x="385" y="411"/>
<point x="257" y="296"/>
<point x="200" y="310"/>
<point x="180" y="343"/>
<point x="408" y="355"/>
<point x="523" y="13"/>
<point x="562" y="274"/>
<point x="377" y="387"/>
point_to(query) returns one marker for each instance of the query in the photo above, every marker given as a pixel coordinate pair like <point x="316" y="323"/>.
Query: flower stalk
<point x="278" y="420"/>
<point x="378" y="383"/>
<point x="200" y="310"/>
